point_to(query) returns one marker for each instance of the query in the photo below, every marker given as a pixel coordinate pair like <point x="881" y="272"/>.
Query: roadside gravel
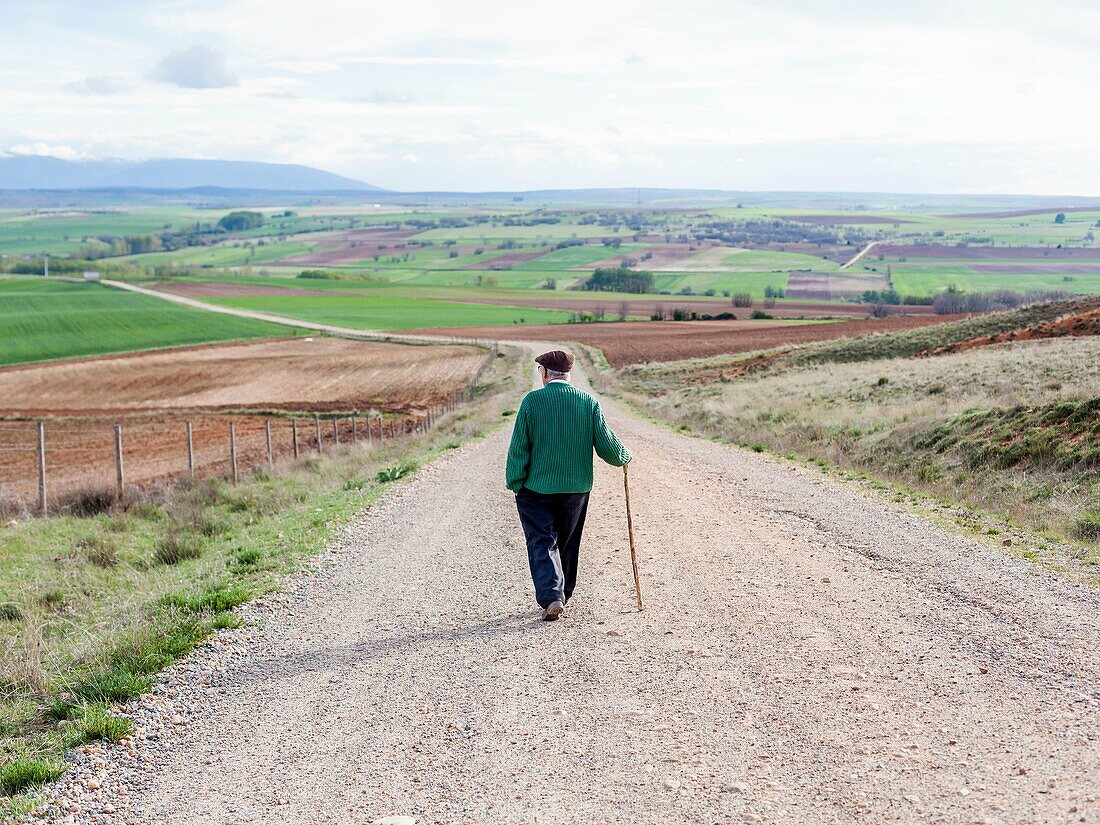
<point x="807" y="654"/>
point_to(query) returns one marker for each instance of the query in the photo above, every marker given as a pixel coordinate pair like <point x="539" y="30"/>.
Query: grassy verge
<point x="1007" y="434"/>
<point x="92" y="608"/>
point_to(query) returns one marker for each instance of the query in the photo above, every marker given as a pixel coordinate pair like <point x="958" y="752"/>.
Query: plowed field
<point x="648" y="341"/>
<point x="152" y="395"/>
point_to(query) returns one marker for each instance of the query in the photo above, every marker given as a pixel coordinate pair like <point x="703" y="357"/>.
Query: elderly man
<point x="550" y="471"/>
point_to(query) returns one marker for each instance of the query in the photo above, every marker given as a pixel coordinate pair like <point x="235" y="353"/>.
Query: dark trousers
<point x="552" y="523"/>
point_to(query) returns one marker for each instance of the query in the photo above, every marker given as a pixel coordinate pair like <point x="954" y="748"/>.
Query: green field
<point x="575" y="256"/>
<point x="57" y="232"/>
<point x="699" y="282"/>
<point x="736" y="251"/>
<point x="927" y="280"/>
<point x="235" y="253"/>
<point x="392" y="312"/>
<point x="44" y="320"/>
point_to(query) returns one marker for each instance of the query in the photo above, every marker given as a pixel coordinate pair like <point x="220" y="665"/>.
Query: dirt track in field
<point x="808" y="654"/>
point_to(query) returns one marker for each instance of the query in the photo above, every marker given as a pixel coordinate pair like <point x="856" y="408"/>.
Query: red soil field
<point x="287" y="374"/>
<point x="813" y="286"/>
<point x="507" y="261"/>
<point x="667" y="254"/>
<point x="152" y="394"/>
<point x="643" y="342"/>
<point x="986" y="252"/>
<point x="1083" y="324"/>
<point x="215" y="289"/>
<point x="350" y="247"/>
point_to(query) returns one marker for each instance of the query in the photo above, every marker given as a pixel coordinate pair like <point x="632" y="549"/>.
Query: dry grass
<point x="879" y="416"/>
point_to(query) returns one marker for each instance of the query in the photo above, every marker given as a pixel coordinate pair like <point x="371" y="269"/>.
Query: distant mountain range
<point x="35" y="172"/>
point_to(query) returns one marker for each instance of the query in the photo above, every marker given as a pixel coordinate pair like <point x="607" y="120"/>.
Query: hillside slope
<point x="33" y="172"/>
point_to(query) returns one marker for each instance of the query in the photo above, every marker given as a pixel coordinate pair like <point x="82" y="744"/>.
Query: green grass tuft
<point x="396" y="472"/>
<point x="25" y="772"/>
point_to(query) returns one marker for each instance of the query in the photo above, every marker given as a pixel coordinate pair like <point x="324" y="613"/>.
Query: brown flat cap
<point x="556" y="360"/>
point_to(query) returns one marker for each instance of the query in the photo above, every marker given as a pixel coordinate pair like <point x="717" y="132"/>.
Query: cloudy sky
<point x="858" y="95"/>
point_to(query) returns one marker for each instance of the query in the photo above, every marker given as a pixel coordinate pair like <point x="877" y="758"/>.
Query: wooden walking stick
<point x="630" y="530"/>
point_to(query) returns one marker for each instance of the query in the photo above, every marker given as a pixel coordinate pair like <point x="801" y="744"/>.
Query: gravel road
<point x="808" y="654"/>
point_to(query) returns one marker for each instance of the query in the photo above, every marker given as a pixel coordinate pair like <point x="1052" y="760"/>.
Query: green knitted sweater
<point x="551" y="451"/>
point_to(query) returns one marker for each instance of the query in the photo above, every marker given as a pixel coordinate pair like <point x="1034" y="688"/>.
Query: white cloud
<point x="102" y="85"/>
<point x="498" y="95"/>
<point x="197" y="67"/>
<point x="46" y="150"/>
<point x="304" y="66"/>
<point x="410" y="157"/>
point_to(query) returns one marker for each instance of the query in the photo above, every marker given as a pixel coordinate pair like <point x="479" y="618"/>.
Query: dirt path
<point x="859" y="255"/>
<point x="807" y="655"/>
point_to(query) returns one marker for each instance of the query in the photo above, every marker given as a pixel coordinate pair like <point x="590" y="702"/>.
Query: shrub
<point x="760" y="315"/>
<point x="249" y="559"/>
<point x="11" y="507"/>
<point x="619" y="279"/>
<point x="173" y="547"/>
<point x="1088" y="526"/>
<point x="86" y="502"/>
<point x="99" y="550"/>
<point x="237" y="221"/>
<point x="742" y="299"/>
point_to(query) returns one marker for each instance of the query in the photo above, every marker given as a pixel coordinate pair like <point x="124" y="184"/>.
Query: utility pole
<point x="46" y="265"/>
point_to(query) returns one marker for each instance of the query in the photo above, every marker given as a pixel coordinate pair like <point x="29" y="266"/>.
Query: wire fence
<point x="41" y="461"/>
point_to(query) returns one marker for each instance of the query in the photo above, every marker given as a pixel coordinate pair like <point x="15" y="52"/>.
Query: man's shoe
<point x="552" y="612"/>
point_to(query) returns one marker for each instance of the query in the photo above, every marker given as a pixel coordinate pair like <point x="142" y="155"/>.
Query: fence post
<point x="317" y="427"/>
<point x="336" y="430"/>
<point x="233" y="450"/>
<point x="370" y="436"/>
<point x="120" y="478"/>
<point x="42" y="468"/>
<point x="354" y="435"/>
<point x="294" y="432"/>
<point x="190" y="452"/>
<point x="267" y="438"/>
